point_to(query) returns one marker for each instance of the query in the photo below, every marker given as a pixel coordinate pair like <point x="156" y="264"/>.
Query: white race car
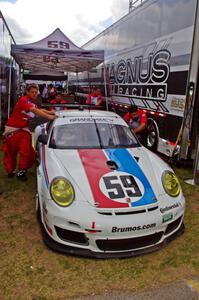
<point x="99" y="192"/>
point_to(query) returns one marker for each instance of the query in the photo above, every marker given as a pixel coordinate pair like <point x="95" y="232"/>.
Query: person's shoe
<point x="21" y="175"/>
<point x="12" y="174"/>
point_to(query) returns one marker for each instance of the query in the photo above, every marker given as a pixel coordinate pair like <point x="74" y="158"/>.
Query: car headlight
<point x="62" y="191"/>
<point x="171" y="184"/>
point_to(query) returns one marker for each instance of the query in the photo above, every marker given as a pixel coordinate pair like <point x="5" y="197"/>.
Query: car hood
<point x="113" y="178"/>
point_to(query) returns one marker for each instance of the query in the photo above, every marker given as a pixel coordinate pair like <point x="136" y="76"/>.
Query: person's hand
<point x="52" y="112"/>
<point x="52" y="117"/>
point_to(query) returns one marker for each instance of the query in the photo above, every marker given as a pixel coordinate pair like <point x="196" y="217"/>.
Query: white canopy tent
<point x="54" y="56"/>
<point x="55" y="53"/>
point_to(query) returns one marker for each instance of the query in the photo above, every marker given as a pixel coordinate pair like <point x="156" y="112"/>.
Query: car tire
<point x="152" y="135"/>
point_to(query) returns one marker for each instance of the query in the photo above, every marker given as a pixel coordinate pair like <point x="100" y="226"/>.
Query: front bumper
<point x="67" y="237"/>
<point x="86" y="231"/>
<point x="71" y="250"/>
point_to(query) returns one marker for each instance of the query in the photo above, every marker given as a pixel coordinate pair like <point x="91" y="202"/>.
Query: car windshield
<point x="92" y="136"/>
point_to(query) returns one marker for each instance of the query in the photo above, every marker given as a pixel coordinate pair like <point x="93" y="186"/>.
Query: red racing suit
<point x="17" y="137"/>
<point x="93" y="99"/>
<point x="134" y="122"/>
<point x="54" y="101"/>
<point x="137" y="120"/>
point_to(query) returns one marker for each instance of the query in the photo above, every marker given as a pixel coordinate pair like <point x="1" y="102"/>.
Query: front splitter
<point x="50" y="243"/>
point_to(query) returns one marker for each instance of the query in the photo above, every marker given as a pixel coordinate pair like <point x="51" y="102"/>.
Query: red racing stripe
<point x="94" y="162"/>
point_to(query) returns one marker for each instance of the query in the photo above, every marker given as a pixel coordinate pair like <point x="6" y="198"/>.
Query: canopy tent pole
<point x="9" y="85"/>
<point x="67" y="83"/>
<point x="0" y="101"/>
<point x="21" y="82"/>
<point x="89" y="82"/>
<point x="77" y="81"/>
<point x="105" y="89"/>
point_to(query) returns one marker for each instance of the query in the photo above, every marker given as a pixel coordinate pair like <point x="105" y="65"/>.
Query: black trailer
<point x="152" y="59"/>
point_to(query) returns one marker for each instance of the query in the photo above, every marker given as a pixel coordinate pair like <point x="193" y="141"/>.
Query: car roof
<point x="86" y="113"/>
<point x="80" y="116"/>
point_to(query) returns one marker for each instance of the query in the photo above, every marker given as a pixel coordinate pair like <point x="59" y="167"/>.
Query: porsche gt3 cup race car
<point x="99" y="192"/>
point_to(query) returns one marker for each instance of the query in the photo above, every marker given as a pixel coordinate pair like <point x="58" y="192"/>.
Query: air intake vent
<point x="105" y="213"/>
<point x="112" y="165"/>
<point x="71" y="236"/>
<point x="123" y="212"/>
<point x="129" y="244"/>
<point x="130" y="212"/>
<point x="172" y="226"/>
<point x="152" y="208"/>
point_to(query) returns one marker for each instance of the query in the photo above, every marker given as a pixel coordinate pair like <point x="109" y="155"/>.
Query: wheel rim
<point x="151" y="138"/>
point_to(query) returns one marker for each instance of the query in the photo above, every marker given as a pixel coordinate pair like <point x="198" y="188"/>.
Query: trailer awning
<point x="55" y="53"/>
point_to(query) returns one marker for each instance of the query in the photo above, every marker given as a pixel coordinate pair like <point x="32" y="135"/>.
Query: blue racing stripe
<point x="126" y="163"/>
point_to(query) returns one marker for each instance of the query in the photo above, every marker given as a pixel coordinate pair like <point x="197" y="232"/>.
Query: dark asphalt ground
<point x="180" y="290"/>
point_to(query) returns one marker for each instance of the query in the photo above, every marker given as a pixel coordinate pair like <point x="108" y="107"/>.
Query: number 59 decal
<point x="119" y="185"/>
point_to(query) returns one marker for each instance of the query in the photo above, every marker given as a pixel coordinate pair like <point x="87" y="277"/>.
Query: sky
<point x="32" y="20"/>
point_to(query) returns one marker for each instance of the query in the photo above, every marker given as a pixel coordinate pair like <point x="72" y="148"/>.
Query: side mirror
<point x="43" y="138"/>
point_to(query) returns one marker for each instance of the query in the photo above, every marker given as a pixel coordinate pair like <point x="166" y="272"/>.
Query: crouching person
<point x="17" y="138"/>
<point x="137" y="120"/>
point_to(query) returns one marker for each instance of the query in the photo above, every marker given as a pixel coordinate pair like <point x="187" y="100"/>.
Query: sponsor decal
<point x="128" y="200"/>
<point x="50" y="59"/>
<point x="135" y="184"/>
<point x="95" y="165"/>
<point x="81" y="120"/>
<point x="133" y="228"/>
<point x="58" y="44"/>
<point x="125" y="187"/>
<point x="147" y="91"/>
<point x="177" y="104"/>
<point x="88" y="119"/>
<point x="167" y="217"/>
<point x="170" y="207"/>
<point x="121" y="187"/>
<point x="141" y="78"/>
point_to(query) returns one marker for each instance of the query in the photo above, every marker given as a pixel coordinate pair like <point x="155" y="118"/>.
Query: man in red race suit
<point x="17" y="137"/>
<point x="95" y="98"/>
<point x="137" y="121"/>
<point x="58" y="100"/>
